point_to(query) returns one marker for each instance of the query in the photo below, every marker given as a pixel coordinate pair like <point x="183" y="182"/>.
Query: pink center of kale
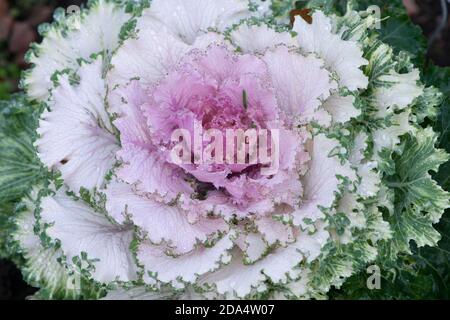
<point x="221" y="90"/>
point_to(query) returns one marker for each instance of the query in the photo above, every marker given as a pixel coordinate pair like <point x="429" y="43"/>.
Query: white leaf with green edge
<point x="259" y="38"/>
<point x="141" y="292"/>
<point x="86" y="236"/>
<point x="237" y="280"/>
<point x="191" y="18"/>
<point x="321" y="183"/>
<point x="298" y="289"/>
<point x="135" y="293"/>
<point x="343" y="57"/>
<point x="389" y="137"/>
<point x="349" y="205"/>
<point x="300" y="82"/>
<point x="341" y="108"/>
<point x="177" y="271"/>
<point x="253" y="246"/>
<point x="42" y="267"/>
<point x="162" y="223"/>
<point x="76" y="136"/>
<point x="369" y="180"/>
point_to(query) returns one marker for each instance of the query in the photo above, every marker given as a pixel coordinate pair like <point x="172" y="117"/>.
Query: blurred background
<point x="18" y="28"/>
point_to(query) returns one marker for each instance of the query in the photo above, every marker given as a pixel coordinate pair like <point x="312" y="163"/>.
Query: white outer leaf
<point x="163" y="223"/>
<point x="42" y="264"/>
<point x="401" y="91"/>
<point x="96" y="31"/>
<point x="149" y="57"/>
<point x="80" y="229"/>
<point x="76" y="134"/>
<point x="184" y="269"/>
<point x="343" y="57"/>
<point x="390" y="137"/>
<point x="258" y="39"/>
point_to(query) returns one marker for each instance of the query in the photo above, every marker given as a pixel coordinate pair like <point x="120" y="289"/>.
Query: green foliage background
<point x="423" y="275"/>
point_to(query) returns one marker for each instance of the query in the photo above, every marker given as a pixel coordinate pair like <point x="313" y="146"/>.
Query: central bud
<point x="216" y="114"/>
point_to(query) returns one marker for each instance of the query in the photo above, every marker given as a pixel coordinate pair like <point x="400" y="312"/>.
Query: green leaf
<point x="6" y="211"/>
<point x="423" y="275"/>
<point x="281" y="8"/>
<point x="41" y="266"/>
<point x="419" y="200"/>
<point x="327" y="6"/>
